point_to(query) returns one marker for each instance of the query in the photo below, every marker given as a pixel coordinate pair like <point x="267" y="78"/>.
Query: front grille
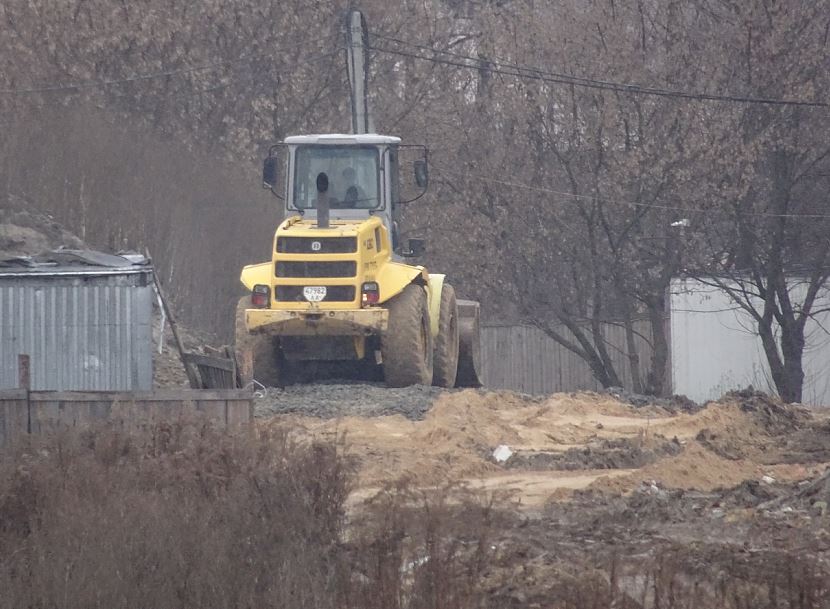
<point x="346" y="268"/>
<point x="334" y="293"/>
<point x="324" y="245"/>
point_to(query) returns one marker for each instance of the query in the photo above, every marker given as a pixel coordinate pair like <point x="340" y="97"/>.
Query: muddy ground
<point x="644" y="499"/>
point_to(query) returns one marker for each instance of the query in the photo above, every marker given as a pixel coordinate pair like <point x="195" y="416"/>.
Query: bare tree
<point x="771" y="250"/>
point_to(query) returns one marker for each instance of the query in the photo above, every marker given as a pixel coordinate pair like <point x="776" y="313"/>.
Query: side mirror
<point x="421" y="173"/>
<point x="269" y="172"/>
<point x="417" y="247"/>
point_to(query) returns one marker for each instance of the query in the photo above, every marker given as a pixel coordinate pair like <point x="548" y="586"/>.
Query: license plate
<point x="314" y="293"/>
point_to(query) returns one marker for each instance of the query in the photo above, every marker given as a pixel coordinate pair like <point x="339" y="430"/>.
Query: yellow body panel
<point x="317" y="323"/>
<point x="393" y="277"/>
<point x="436" y="284"/>
<point x="373" y="263"/>
<point x="256" y="274"/>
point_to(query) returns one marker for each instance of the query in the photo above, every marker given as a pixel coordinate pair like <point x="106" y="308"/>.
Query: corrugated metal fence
<point x="523" y="358"/>
<point x="90" y="332"/>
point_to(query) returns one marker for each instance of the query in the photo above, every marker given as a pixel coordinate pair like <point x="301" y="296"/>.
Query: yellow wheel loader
<point x="336" y="290"/>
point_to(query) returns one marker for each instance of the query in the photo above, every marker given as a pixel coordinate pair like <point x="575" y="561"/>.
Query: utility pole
<point x="357" y="65"/>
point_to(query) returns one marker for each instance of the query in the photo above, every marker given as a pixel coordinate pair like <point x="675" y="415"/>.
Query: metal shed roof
<point x="67" y="262"/>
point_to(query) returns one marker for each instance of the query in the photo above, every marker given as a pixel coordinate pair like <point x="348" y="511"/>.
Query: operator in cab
<point x="354" y="196"/>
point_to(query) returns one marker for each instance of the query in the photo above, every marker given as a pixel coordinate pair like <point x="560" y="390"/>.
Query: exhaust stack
<point x="322" y="200"/>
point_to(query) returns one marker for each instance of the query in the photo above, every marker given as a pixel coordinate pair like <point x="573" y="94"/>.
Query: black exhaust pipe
<point x="322" y="200"/>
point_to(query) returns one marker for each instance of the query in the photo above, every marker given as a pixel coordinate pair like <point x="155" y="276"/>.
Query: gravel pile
<point x="333" y="400"/>
<point x="674" y="403"/>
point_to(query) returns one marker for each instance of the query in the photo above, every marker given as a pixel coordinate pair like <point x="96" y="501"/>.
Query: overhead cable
<point x="93" y="84"/>
<point x="677" y="208"/>
<point x="498" y="66"/>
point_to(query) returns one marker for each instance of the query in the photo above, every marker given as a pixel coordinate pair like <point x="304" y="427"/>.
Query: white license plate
<point x="314" y="293"/>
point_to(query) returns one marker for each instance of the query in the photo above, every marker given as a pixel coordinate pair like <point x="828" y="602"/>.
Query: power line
<point x="93" y="84"/>
<point x="542" y="189"/>
<point x="233" y="76"/>
<point x="498" y="66"/>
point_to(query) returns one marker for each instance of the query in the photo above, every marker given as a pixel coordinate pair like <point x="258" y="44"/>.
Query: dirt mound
<point x="754" y="426"/>
<point x="589" y="403"/>
<point x="749" y="425"/>
<point x="695" y="468"/>
<point x="617" y="453"/>
<point x="548" y="447"/>
<point x="748" y="494"/>
<point x="813" y="495"/>
<point x="25" y="233"/>
<point x="673" y="403"/>
<point x="432" y="436"/>
<point x="771" y="413"/>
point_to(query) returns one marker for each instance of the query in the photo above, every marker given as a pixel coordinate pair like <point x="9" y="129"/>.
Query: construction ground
<point x="723" y="500"/>
<point x="588" y="479"/>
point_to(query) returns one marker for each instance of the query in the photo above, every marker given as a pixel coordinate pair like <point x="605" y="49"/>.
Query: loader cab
<point x="352" y="176"/>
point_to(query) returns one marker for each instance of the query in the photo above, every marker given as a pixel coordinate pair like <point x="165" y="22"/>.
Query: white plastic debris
<point x="650" y="487"/>
<point x="502" y="453"/>
<point x="414" y="564"/>
<point x="767" y="479"/>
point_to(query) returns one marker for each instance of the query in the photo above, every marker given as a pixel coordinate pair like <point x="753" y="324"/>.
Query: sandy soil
<point x="573" y="441"/>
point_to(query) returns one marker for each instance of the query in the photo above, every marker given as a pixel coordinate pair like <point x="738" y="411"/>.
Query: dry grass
<point x="183" y="516"/>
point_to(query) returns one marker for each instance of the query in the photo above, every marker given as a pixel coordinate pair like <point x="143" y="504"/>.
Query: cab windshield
<point x="352" y="173"/>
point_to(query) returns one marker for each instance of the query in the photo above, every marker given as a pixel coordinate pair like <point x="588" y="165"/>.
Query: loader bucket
<point x="469" y="352"/>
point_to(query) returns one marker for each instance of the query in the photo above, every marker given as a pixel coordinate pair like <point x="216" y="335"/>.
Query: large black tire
<point x="406" y="346"/>
<point x="445" y="359"/>
<point x="469" y="351"/>
<point x="257" y="355"/>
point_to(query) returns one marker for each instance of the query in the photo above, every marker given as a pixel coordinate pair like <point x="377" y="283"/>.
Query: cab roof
<point x="343" y="138"/>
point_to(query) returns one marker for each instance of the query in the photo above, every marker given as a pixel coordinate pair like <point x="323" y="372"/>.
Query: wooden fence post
<point x="24" y="381"/>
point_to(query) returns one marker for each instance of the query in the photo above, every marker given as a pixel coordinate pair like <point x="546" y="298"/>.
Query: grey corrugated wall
<point x="523" y="358"/>
<point x="82" y="333"/>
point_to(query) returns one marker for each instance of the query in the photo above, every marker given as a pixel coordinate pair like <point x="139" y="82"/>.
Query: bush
<point x="182" y="515"/>
<point x="179" y="516"/>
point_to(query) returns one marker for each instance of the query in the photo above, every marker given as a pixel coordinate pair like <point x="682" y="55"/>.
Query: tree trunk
<point x="656" y="383"/>
<point x="792" y="350"/>
<point x="613" y="378"/>
<point x="633" y="356"/>
<point x="602" y="368"/>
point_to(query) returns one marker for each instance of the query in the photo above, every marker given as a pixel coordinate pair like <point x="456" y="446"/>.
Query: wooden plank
<point x="24" y="370"/>
<point x="159" y="395"/>
<point x="101" y="411"/>
<point x="216" y="378"/>
<point x="13" y="394"/>
<point x="14" y="421"/>
<point x="208" y="361"/>
<point x="215" y="410"/>
<point x="44" y="417"/>
<point x="50" y="411"/>
<point x="239" y="413"/>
